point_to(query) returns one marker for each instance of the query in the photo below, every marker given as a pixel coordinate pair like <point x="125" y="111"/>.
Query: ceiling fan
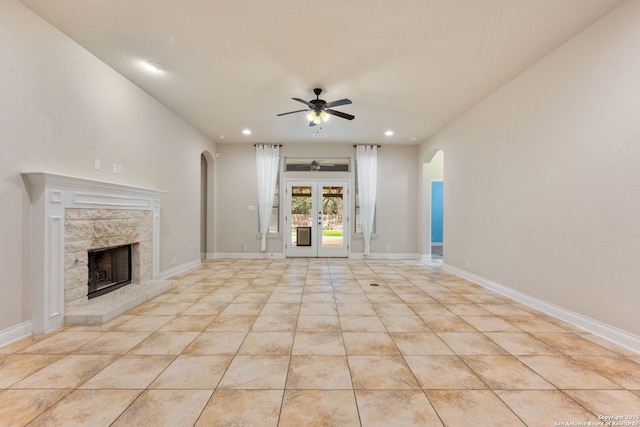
<point x="319" y="109"/>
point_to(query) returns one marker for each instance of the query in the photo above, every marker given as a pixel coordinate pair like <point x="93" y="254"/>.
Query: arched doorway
<point x="206" y="205"/>
<point x="433" y="207"/>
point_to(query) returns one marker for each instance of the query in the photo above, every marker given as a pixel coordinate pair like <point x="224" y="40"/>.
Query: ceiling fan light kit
<point x="320" y="110"/>
<point x="317" y="118"/>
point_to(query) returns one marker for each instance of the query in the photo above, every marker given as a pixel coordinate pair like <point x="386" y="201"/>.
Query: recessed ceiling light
<point x="221" y="137"/>
<point x="246" y="132"/>
<point x="389" y="133"/>
<point x="153" y="66"/>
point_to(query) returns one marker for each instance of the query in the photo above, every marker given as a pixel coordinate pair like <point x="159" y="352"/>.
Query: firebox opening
<point x="109" y="269"/>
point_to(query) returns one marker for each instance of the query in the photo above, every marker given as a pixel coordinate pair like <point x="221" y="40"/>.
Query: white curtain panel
<point x="367" y="163"/>
<point x="267" y="160"/>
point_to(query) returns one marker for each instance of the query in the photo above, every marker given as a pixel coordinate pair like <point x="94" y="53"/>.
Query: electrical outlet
<point x="174" y="260"/>
<point x="243" y="247"/>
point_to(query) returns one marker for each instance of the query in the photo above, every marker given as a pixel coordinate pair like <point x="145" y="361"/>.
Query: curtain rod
<point x="255" y="145"/>
<point x="369" y="145"/>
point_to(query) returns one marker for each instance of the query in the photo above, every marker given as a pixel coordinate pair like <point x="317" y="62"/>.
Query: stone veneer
<point x="87" y="229"/>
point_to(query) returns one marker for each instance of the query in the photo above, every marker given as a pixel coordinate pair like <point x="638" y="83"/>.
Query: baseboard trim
<point x="428" y="260"/>
<point x="271" y="255"/>
<point x="603" y="330"/>
<point x="246" y="255"/>
<point x="178" y="269"/>
<point x="360" y="255"/>
<point x="15" y="333"/>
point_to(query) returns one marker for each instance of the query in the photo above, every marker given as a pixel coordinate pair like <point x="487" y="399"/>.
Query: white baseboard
<point x="178" y="269"/>
<point x="260" y="255"/>
<point x="246" y="255"/>
<point x="384" y="255"/>
<point x="608" y="332"/>
<point x="428" y="260"/>
<point x="15" y="333"/>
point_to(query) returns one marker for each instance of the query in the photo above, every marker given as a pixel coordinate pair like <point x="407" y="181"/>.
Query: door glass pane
<point x="332" y="224"/>
<point x="301" y="216"/>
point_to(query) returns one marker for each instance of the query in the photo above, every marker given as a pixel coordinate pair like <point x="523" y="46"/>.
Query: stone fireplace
<point x="90" y="230"/>
<point x="72" y="217"/>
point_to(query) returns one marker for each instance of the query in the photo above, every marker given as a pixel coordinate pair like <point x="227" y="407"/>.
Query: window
<point x="358" y="222"/>
<point x="268" y="173"/>
<point x="274" y="224"/>
<point x="274" y="221"/>
<point x="311" y="164"/>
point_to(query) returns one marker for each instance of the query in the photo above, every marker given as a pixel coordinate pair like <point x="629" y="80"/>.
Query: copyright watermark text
<point x="605" y="420"/>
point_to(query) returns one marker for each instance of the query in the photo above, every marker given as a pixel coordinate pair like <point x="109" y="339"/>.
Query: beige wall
<point x="397" y="201"/>
<point x="61" y="108"/>
<point x="235" y="191"/>
<point x="542" y="178"/>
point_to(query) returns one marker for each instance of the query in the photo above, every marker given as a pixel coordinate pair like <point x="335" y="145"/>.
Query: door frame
<point x="316" y="250"/>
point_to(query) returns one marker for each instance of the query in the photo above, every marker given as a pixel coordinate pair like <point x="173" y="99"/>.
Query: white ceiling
<point x="410" y="66"/>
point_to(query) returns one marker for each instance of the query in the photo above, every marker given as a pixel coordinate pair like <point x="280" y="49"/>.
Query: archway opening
<point x="433" y="238"/>
<point x="206" y="200"/>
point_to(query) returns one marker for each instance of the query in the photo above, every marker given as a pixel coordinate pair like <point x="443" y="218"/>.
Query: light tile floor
<point x="310" y="342"/>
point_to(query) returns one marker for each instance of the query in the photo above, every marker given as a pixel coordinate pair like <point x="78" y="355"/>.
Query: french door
<point x="316" y="223"/>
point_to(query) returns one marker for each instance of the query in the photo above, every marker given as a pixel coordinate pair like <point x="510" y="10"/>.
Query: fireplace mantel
<point x="50" y="195"/>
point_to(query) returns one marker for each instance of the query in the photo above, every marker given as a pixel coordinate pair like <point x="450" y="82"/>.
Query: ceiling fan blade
<point x="337" y="103"/>
<point x="307" y="103"/>
<point x="339" y="114"/>
<point x="291" y="112"/>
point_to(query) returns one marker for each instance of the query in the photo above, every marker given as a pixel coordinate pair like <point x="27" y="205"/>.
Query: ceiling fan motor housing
<point x="318" y="106"/>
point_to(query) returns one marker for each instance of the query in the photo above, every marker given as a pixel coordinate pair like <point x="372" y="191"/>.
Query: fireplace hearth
<point x="109" y="269"/>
